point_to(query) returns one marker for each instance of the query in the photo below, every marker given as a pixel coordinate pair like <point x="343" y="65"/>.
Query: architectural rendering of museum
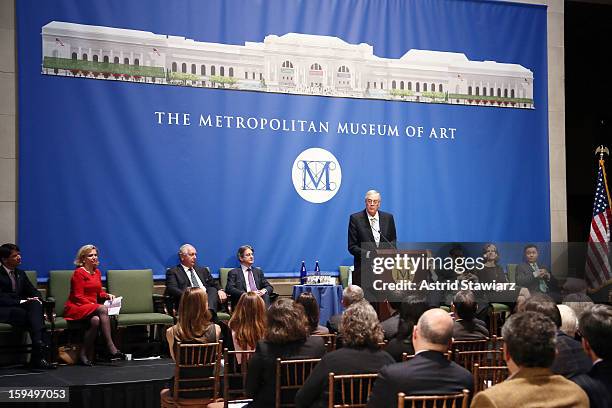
<point x="292" y="63"/>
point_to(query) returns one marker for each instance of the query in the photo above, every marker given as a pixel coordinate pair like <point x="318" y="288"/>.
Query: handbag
<point x="68" y="354"/>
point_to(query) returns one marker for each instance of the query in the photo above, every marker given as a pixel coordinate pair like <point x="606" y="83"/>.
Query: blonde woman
<point x="248" y="322"/>
<point x="82" y="304"/>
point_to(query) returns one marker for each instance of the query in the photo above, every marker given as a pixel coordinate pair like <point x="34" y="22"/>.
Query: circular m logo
<point x="316" y="175"/>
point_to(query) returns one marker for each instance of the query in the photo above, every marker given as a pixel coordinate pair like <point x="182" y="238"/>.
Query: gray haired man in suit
<point x="247" y="278"/>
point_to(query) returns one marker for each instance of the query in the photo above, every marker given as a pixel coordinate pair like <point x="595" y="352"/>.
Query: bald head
<point x="434" y="331"/>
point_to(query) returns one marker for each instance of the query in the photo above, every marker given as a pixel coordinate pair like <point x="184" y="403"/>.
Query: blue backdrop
<point x="95" y="166"/>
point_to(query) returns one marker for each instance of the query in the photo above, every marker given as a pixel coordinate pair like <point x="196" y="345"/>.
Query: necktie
<point x="251" y="280"/>
<point x="11" y="275"/>
<point x="375" y="230"/>
<point x="542" y="284"/>
<point x="194" y="279"/>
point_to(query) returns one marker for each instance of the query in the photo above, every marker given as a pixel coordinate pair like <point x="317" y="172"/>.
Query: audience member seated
<point x="20" y="303"/>
<point x="82" y="304"/>
<point x="247" y="278"/>
<point x="429" y="372"/>
<point x="535" y="277"/>
<point x="187" y="274"/>
<point x="529" y="350"/>
<point x="360" y="354"/>
<point x="311" y="307"/>
<point x="491" y="272"/>
<point x="579" y="302"/>
<point x="569" y="321"/>
<point x="248" y="322"/>
<point x="287" y="337"/>
<point x="466" y="326"/>
<point x="410" y="311"/>
<point x="194" y="325"/>
<point x="571" y="359"/>
<point x="596" y="327"/>
<point x="351" y="294"/>
<point x="389" y="325"/>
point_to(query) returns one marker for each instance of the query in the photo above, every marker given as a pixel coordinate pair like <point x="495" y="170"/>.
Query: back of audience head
<point x="434" y="331"/>
<point x="193" y="315"/>
<point x="529" y="339"/>
<point x="544" y="304"/>
<point x="569" y="322"/>
<point x="286" y="321"/>
<point x="311" y="307"/>
<point x="249" y="320"/>
<point x="411" y="309"/>
<point x="464" y="305"/>
<point x="351" y="294"/>
<point x="596" y="328"/>
<point x="579" y="302"/>
<point x="360" y="326"/>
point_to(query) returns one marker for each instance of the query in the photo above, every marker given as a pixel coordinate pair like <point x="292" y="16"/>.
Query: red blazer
<point x="85" y="291"/>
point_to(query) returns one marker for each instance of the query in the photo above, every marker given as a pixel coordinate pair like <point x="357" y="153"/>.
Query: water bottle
<point x="317" y="272"/>
<point x="303" y="273"/>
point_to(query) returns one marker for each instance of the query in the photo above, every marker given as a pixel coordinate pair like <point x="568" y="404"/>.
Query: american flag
<point x="597" y="269"/>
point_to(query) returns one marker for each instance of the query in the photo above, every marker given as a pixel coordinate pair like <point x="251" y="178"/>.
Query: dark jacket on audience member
<point x="314" y="393"/>
<point x="428" y="373"/>
<point x="397" y="347"/>
<point x="469" y="330"/>
<point x="389" y="326"/>
<point x="597" y="383"/>
<point x="571" y="360"/>
<point x="261" y="374"/>
<point x="333" y="324"/>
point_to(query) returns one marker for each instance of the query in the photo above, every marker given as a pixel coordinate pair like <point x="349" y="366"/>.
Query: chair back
<point x="512" y="273"/>
<point x="290" y="376"/>
<point x="467" y="359"/>
<point x="59" y="288"/>
<point x="470" y="345"/>
<point x="235" y="373"/>
<point x="223" y="272"/>
<point x="485" y="377"/>
<point x="136" y="288"/>
<point x="434" y="401"/>
<point x="497" y="342"/>
<point x="197" y="371"/>
<point x="33" y="277"/>
<point x="351" y="390"/>
<point x="408" y="357"/>
<point x="344" y="275"/>
<point x="329" y="339"/>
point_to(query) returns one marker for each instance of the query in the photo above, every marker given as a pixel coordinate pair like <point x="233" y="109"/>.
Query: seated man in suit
<point x="429" y="372"/>
<point x="187" y="274"/>
<point x="535" y="277"/>
<point x="467" y="326"/>
<point x="570" y="359"/>
<point x="247" y="278"/>
<point x="351" y="294"/>
<point x="596" y="328"/>
<point x="529" y="351"/>
<point x="20" y="303"/>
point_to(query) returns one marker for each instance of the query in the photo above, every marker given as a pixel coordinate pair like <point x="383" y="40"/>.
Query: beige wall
<point x="556" y="124"/>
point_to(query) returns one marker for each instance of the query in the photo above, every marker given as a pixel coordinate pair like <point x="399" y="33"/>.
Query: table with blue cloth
<point x="329" y="298"/>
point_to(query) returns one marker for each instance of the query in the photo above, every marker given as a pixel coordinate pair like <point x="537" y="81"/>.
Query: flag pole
<point x="601" y="150"/>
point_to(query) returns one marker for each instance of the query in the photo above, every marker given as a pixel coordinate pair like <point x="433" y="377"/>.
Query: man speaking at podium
<point x="369" y="230"/>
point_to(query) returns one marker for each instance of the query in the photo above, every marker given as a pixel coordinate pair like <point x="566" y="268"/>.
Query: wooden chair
<point x="407" y="357"/>
<point x="434" y="401"/>
<point x="290" y="376"/>
<point x="485" y="377"/>
<point x="497" y="342"/>
<point x="329" y="339"/>
<point x="235" y="374"/>
<point x="470" y="345"/>
<point x="196" y="375"/>
<point x="353" y="390"/>
<point x="467" y="359"/>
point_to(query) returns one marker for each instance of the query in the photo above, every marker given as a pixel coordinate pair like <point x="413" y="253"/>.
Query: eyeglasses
<point x="369" y="201"/>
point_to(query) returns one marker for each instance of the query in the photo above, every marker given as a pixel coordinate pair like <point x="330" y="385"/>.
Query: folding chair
<point x="290" y="376"/>
<point x="434" y="401"/>
<point x="351" y="390"/>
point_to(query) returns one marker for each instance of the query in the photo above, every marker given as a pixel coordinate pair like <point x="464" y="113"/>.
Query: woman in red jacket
<point x="85" y="292"/>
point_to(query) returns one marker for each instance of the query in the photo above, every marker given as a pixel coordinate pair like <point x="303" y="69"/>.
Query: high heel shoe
<point x="117" y="355"/>
<point x="85" y="362"/>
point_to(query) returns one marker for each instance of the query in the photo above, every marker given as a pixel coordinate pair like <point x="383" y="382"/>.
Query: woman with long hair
<point x="311" y="307"/>
<point x="248" y="322"/>
<point x="194" y="321"/>
<point x="411" y="309"/>
<point x="82" y="304"/>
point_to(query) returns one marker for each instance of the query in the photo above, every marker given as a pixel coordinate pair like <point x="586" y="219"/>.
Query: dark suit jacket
<point x="361" y="238"/>
<point x="177" y="281"/>
<point x="236" y="285"/>
<point x="597" y="384"/>
<point x="389" y="326"/>
<point x="525" y="278"/>
<point x="24" y="288"/>
<point x="261" y="375"/>
<point x="428" y="373"/>
<point x="333" y="324"/>
<point x="470" y="330"/>
<point x="315" y="391"/>
<point x="571" y="360"/>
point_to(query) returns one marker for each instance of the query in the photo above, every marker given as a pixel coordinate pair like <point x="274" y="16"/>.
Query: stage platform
<point x="116" y="384"/>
